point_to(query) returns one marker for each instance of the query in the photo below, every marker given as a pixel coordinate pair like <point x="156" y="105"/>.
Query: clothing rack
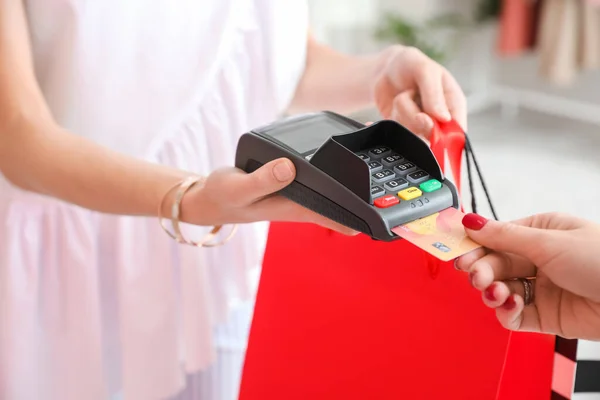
<point x="485" y="91"/>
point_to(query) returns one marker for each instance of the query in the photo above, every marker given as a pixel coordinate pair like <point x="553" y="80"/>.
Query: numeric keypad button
<point x="377" y="191"/>
<point x="374" y="166"/>
<point x="379" y="152"/>
<point x="405" y="168"/>
<point x="363" y="157"/>
<point x="418" y="176"/>
<point x="396" y="185"/>
<point x="391" y="160"/>
<point x="383" y="176"/>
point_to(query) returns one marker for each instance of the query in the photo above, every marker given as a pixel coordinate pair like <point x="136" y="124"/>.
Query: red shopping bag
<point x="349" y="318"/>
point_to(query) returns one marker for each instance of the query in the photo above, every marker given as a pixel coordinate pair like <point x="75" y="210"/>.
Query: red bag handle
<point x="446" y="137"/>
<point x="449" y="137"/>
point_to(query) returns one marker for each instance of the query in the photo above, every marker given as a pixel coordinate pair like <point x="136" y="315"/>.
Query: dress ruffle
<point x="92" y="305"/>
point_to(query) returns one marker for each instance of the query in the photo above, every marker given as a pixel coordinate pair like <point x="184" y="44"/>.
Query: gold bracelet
<point x="176" y="208"/>
<point x="183" y="187"/>
<point x="222" y="242"/>
<point x="160" y="208"/>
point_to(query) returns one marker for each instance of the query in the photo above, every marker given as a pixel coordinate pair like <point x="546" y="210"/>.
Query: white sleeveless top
<point x="91" y="303"/>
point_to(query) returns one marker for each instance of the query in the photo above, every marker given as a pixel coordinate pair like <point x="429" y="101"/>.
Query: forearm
<point x="44" y="158"/>
<point x="38" y="155"/>
<point x="336" y="81"/>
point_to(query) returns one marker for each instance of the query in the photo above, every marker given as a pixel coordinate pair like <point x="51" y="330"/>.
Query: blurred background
<point x="531" y="73"/>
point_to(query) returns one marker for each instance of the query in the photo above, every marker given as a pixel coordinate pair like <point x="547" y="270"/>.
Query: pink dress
<point x="98" y="307"/>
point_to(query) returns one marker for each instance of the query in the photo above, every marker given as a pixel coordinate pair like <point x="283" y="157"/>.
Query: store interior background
<point x="537" y="142"/>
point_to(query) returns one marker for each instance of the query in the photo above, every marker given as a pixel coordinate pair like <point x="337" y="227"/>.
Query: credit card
<point x="441" y="234"/>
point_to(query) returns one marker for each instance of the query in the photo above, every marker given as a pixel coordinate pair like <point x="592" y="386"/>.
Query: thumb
<point x="506" y="236"/>
<point x="268" y="179"/>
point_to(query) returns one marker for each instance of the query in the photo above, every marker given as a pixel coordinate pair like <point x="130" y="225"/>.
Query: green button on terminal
<point x="430" y="186"/>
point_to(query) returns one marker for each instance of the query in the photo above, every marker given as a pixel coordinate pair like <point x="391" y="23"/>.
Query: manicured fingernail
<point x="510" y="303"/>
<point x="282" y="171"/>
<point x="489" y="292"/>
<point x="474" y="221"/>
<point x="472" y="278"/>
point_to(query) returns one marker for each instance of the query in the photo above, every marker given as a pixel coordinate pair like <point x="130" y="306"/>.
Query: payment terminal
<point x="368" y="178"/>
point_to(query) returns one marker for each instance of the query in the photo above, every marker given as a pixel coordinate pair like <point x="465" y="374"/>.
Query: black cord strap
<point x="469" y="153"/>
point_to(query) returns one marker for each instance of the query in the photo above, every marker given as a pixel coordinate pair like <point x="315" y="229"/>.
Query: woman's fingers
<point x="240" y="189"/>
<point x="515" y="316"/>
<point x="485" y="267"/>
<point x="498" y="292"/>
<point x="495" y="294"/>
<point x="507" y="298"/>
<point x="498" y="267"/>
<point x="456" y="100"/>
<point x="532" y="243"/>
<point x="278" y="208"/>
<point x="257" y="199"/>
<point x="464" y="263"/>
<point x="429" y="80"/>
<point x="407" y="112"/>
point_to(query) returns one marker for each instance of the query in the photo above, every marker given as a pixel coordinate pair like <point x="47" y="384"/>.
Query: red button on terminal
<point x="386" y="201"/>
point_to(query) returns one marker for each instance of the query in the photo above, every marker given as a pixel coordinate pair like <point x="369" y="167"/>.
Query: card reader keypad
<point x="379" y="152"/>
<point x="405" y="168"/>
<point x="395" y="179"/>
<point x="396" y="184"/>
<point x="383" y="176"/>
<point x="375" y="166"/>
<point x="417" y="176"/>
<point x="377" y="191"/>
<point x="392" y="160"/>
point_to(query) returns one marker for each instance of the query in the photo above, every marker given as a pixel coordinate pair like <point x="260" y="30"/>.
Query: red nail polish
<point x="474" y="221"/>
<point x="510" y="303"/>
<point x="489" y="292"/>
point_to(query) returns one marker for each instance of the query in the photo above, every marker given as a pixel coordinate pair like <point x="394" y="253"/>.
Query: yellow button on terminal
<point x="410" y="193"/>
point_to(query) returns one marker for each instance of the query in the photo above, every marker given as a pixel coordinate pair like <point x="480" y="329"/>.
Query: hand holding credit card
<point x="441" y="234"/>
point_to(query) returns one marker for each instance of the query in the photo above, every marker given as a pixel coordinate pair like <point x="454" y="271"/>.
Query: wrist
<point x="193" y="207"/>
<point x="179" y="205"/>
<point x="169" y="197"/>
